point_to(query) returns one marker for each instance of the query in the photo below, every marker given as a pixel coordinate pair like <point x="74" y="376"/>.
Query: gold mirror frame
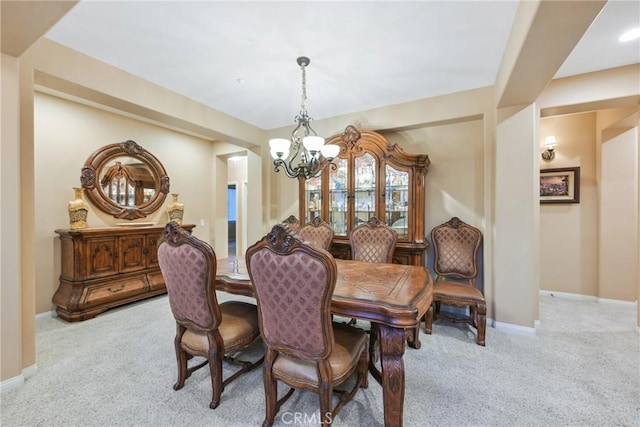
<point x="93" y="170"/>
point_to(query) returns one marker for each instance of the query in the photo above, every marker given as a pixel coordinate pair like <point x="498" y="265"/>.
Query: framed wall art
<point x="560" y="185"/>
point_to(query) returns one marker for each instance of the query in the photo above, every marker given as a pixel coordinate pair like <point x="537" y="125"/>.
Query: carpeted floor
<point x="582" y="368"/>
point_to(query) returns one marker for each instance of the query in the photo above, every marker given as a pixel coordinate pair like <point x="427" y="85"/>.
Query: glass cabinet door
<point x="313" y="199"/>
<point x="365" y="188"/>
<point x="397" y="200"/>
<point x="338" y="201"/>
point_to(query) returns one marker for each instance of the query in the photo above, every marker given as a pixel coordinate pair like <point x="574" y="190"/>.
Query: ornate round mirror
<point x="125" y="180"/>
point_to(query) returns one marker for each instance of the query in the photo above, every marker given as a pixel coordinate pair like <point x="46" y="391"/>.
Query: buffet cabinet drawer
<point x="156" y="281"/>
<point x="114" y="290"/>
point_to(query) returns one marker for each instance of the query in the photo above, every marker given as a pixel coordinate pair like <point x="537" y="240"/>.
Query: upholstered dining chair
<point x="291" y="224"/>
<point x="317" y="233"/>
<point x="304" y="349"/>
<point x="373" y="241"/>
<point x="456" y="246"/>
<point x="204" y="328"/>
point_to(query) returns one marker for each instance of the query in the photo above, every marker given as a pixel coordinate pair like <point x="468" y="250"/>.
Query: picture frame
<point x="560" y="185"/>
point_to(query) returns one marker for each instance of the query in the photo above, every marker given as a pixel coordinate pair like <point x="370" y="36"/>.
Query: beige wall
<point x="618" y="276"/>
<point x="11" y="353"/>
<point x="454" y="184"/>
<point x="569" y="232"/>
<point x="516" y="219"/>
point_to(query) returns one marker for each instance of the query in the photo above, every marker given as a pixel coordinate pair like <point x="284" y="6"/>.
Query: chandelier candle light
<point x="301" y="156"/>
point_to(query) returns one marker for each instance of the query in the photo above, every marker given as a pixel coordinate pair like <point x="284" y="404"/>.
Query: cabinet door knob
<point x="145" y="251"/>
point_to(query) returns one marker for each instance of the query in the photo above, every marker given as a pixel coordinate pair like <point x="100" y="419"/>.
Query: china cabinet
<point x="371" y="178"/>
<point x="106" y="267"/>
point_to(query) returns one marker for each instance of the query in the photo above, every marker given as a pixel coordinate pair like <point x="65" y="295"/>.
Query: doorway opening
<point x="232" y="211"/>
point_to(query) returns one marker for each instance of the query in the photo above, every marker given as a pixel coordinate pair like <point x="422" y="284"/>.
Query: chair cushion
<point x="239" y="325"/>
<point x="453" y="291"/>
<point x="350" y="342"/>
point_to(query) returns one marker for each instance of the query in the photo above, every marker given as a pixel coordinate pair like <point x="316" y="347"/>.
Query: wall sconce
<point x="549" y="146"/>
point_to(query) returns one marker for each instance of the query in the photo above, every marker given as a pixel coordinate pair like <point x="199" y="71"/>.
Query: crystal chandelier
<point x="301" y="156"/>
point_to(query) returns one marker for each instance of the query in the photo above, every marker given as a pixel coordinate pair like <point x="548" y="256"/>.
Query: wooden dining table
<point x="393" y="297"/>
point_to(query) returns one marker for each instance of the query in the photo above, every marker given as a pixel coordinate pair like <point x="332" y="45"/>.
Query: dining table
<point x="392" y="297"/>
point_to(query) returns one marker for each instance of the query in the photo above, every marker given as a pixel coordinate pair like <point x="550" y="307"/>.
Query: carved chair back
<point x="317" y="233"/>
<point x="291" y="224"/>
<point x="456" y="246"/>
<point x="373" y="241"/>
<point x="189" y="266"/>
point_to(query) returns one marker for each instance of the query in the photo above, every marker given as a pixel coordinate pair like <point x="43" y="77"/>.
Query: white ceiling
<point x="363" y="54"/>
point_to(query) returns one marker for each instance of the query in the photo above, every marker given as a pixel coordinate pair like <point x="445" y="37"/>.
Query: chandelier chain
<point x="304" y="88"/>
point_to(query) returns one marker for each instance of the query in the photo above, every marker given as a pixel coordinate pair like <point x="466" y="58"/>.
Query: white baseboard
<point x="17" y="382"/>
<point x="30" y="371"/>
<point x="566" y="295"/>
<point x="511" y="328"/>
<point x="11" y="384"/>
<point x="618" y="302"/>
<point x="514" y="329"/>
<point x="586" y="298"/>
<point x="46" y="315"/>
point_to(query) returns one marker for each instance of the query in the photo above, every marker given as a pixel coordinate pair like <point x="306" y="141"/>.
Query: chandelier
<point x="302" y="154"/>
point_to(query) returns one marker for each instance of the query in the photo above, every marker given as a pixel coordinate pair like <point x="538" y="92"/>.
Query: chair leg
<point x="324" y="394"/>
<point x="363" y="369"/>
<point x="181" y="359"/>
<point x="374" y="349"/>
<point x="473" y="315"/>
<point x="413" y="337"/>
<point x="215" y="369"/>
<point x="482" y="322"/>
<point x="428" y="320"/>
<point x="270" y="391"/>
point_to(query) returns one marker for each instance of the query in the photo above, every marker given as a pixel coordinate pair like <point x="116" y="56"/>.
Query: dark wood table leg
<point x="392" y="344"/>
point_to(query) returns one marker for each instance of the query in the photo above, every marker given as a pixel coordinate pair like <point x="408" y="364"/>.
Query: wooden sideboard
<point x="106" y="267"/>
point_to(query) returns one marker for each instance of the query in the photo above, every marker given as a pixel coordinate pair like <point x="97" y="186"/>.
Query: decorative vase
<point x="175" y="210"/>
<point x="78" y="210"/>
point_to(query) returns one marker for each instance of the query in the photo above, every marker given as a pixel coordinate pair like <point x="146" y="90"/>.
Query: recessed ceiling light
<point x="630" y="35"/>
<point x="241" y="80"/>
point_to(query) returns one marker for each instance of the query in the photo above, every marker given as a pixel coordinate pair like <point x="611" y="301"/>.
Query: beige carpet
<point x="582" y="368"/>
